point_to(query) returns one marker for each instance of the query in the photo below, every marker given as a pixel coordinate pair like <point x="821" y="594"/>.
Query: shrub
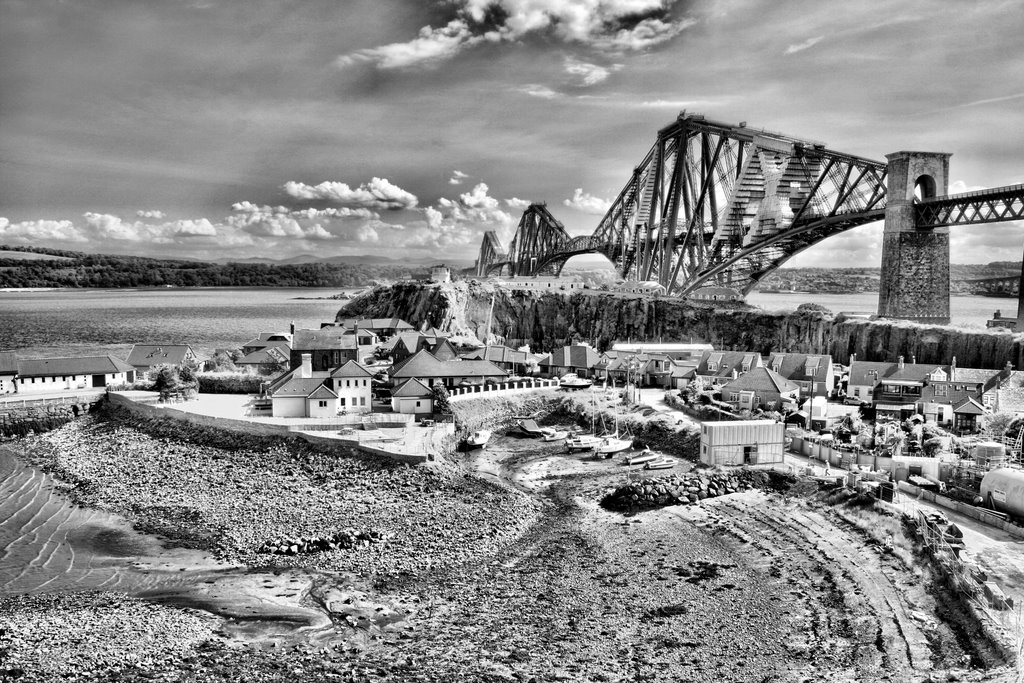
<point x="230" y="384"/>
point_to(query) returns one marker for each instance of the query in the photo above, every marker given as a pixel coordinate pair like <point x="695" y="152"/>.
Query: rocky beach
<point x="497" y="565"/>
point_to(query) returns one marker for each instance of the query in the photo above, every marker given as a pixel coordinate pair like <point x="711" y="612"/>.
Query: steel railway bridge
<point x="719" y="204"/>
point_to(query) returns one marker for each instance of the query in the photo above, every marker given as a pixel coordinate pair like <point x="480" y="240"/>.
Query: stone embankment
<point x="689" y="489"/>
<point x="546" y="321"/>
<point x="229" y="493"/>
<point x="342" y="540"/>
<point x="28" y="416"/>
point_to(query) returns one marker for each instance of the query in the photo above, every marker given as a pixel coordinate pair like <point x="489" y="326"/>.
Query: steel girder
<point x="491" y="253"/>
<point x="713" y="203"/>
<point x="709" y="197"/>
<point x="984" y="206"/>
<point x="538" y="237"/>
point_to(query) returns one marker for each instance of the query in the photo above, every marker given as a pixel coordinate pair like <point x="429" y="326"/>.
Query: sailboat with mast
<point x="613" y="443"/>
<point x="585" y="442"/>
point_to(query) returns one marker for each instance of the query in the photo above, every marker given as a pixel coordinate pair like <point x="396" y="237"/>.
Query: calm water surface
<point x="82" y="322"/>
<point x="965" y="311"/>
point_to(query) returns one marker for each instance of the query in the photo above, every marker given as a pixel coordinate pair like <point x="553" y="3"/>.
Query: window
<point x="362" y="400"/>
<point x="417" y="404"/>
<point x="940" y="389"/>
<point x="322" y="404"/>
<point x="341" y="401"/>
<point x="856" y="393"/>
<point x="712" y="366"/>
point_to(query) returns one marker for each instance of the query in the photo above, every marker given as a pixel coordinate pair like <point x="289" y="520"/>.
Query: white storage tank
<point x="1003" y="488"/>
<point x="742" y="442"/>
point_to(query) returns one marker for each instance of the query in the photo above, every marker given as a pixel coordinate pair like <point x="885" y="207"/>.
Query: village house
<point x="353" y="386"/>
<point x="508" y="359"/>
<point x="266" y="360"/>
<point x="542" y="283"/>
<point x="307" y="392"/>
<point x="68" y="374"/>
<point x="8" y="372"/>
<point x="146" y="357"/>
<point x="761" y="388"/>
<point x="814" y="374"/>
<point x="411" y="397"/>
<point x="718" y="367"/>
<point x="330" y="347"/>
<point x="578" y="358"/>
<point x="404" y="344"/>
<point x="649" y="287"/>
<point x="715" y="293"/>
<point x="430" y="370"/>
<point x="648" y="369"/>
<point x="678" y="351"/>
<point x="268" y="339"/>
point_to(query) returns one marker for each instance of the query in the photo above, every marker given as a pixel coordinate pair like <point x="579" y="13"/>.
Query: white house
<point x="351" y="383"/>
<point x="68" y="374"/>
<point x="8" y="371"/>
<point x="300" y="394"/>
<point x="412" y="396"/>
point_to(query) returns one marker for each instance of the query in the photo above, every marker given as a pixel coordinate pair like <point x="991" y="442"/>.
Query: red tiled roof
<point x="761" y="379"/>
<point x="424" y="364"/>
<point x="8" y="363"/>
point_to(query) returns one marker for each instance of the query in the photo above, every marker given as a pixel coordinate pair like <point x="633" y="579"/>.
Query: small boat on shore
<point x="583" y="442"/>
<point x="644" y="456"/>
<point x="549" y="434"/>
<point x="611" y="445"/>
<point x="530" y="428"/>
<point x="662" y="463"/>
<point x="574" y="381"/>
<point x="478" y="439"/>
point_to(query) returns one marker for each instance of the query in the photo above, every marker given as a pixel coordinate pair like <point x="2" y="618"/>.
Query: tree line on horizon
<point x="79" y="270"/>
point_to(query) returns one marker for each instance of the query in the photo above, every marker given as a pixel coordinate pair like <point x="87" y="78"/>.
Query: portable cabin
<point x="742" y="442"/>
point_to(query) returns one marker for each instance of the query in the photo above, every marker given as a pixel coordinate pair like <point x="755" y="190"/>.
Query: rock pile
<point x="684" y="489"/>
<point x="343" y="540"/>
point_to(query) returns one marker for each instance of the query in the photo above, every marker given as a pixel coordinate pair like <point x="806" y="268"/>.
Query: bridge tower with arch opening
<point x="915" y="254"/>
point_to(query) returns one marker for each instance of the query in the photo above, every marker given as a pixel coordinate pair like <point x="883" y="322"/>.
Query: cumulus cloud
<point x="588" y="74"/>
<point x="30" y="232"/>
<point x="800" y="47"/>
<point x="517" y="203"/>
<point x="156" y="215"/>
<point x="457" y="178"/>
<point x="541" y="91"/>
<point x="609" y="25"/>
<point x="432" y="45"/>
<point x="587" y="203"/>
<point x="379" y="193"/>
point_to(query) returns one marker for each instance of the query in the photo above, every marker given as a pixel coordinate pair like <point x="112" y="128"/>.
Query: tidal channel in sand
<point x="48" y="544"/>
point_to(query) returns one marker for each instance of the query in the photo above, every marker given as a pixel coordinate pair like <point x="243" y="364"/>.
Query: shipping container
<point x="743" y="442"/>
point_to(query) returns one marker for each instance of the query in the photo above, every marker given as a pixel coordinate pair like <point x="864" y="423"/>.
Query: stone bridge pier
<point x="915" y="258"/>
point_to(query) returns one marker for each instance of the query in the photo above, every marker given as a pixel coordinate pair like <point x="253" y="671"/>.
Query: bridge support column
<point x="915" y="260"/>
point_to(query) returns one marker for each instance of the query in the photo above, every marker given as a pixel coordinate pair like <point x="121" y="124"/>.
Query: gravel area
<point x="503" y="569"/>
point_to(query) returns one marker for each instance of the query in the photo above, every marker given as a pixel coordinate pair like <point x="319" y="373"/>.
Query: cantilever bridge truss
<point x="710" y="203"/>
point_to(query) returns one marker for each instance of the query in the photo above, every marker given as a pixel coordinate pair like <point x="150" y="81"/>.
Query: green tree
<point x="441" y="403"/>
<point x="166" y="381"/>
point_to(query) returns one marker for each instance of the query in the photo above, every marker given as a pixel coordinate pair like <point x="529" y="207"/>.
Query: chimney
<point x="952" y="369"/>
<point x="306" y="369"/>
<point x="292" y="328"/>
<point x="899" y="362"/>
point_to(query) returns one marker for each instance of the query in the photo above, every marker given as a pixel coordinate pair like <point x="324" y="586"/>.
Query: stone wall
<point x="23" y="417"/>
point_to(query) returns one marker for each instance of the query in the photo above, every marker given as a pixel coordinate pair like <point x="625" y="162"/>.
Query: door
<point x="99" y="381"/>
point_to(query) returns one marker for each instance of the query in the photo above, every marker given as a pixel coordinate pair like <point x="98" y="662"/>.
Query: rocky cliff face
<point x="545" y="321"/>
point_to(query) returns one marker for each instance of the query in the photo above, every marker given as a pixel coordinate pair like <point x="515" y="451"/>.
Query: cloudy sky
<point x="240" y="128"/>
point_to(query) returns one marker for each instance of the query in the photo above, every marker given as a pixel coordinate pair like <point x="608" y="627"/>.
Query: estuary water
<point x="80" y="322"/>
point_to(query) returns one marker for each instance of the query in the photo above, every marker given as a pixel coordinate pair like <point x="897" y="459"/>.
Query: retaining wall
<point x="499" y="390"/>
<point x="20" y="417"/>
<point x="259" y="429"/>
